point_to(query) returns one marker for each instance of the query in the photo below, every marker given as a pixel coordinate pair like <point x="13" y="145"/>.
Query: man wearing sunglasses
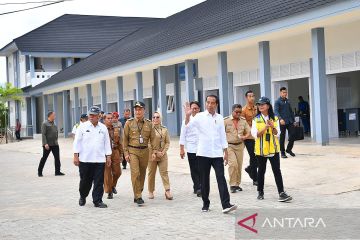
<point x="237" y="130"/>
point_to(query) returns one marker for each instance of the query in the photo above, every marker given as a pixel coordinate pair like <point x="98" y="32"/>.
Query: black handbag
<point x="298" y="133"/>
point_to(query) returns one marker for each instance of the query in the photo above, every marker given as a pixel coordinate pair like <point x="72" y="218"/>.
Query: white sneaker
<point x="229" y="209"/>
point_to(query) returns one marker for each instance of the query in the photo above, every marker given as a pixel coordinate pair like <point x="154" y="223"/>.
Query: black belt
<point x="235" y="143"/>
<point x="138" y="147"/>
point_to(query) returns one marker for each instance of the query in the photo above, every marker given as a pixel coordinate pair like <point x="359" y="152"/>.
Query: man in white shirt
<point x="92" y="148"/>
<point x="189" y="141"/>
<point x="211" y="150"/>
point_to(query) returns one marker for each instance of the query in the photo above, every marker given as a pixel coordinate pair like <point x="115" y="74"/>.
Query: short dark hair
<point x="213" y="96"/>
<point x="50" y="113"/>
<point x="300" y="97"/>
<point x="247" y="92"/>
<point x="235" y="106"/>
<point x="195" y="102"/>
<point x="282" y="88"/>
<point x="127" y="110"/>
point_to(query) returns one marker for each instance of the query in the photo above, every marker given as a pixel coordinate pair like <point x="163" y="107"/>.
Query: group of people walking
<point x="102" y="143"/>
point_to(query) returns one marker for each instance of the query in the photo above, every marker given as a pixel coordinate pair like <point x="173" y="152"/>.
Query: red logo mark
<point x="253" y="217"/>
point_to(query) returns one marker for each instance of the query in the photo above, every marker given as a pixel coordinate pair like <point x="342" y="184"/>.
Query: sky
<point x="16" y="24"/>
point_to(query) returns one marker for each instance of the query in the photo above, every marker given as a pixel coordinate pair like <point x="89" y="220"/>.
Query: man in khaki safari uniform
<point x="113" y="172"/>
<point x="138" y="132"/>
<point x="237" y="130"/>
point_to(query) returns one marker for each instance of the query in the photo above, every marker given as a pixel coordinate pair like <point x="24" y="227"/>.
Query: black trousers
<point x="275" y="165"/>
<point x="289" y="128"/>
<point x="205" y="164"/>
<point x="250" y="147"/>
<point x="17" y="135"/>
<point x="56" y="153"/>
<point x="92" y="173"/>
<point x="194" y="171"/>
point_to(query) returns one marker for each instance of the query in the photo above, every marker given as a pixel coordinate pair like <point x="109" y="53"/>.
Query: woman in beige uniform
<point x="158" y="157"/>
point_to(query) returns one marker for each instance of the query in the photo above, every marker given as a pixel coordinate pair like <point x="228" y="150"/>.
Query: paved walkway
<point x="47" y="208"/>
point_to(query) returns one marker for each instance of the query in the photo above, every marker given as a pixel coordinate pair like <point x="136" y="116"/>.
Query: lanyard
<point x="160" y="133"/>
<point x="264" y="122"/>
<point x="140" y="129"/>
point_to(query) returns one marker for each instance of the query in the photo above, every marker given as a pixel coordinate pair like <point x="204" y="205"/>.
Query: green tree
<point x="8" y="93"/>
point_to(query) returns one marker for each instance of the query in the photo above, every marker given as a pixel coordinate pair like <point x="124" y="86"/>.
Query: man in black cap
<point x="92" y="148"/>
<point x="83" y="118"/>
<point x="138" y="132"/>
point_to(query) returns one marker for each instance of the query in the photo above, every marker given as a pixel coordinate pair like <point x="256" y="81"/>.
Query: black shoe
<point x="135" y="200"/>
<point x="110" y="196"/>
<point x="255" y="183"/>
<point x="114" y="190"/>
<point x="233" y="189"/>
<point x="140" y="201"/>
<point x="59" y="174"/>
<point x="291" y="153"/>
<point x="283" y="197"/>
<point x="261" y="195"/>
<point x="82" y="201"/>
<point x="238" y="188"/>
<point x="229" y="208"/>
<point x="124" y="167"/>
<point x="205" y="209"/>
<point x="247" y="169"/>
<point x="198" y="193"/>
<point x="283" y="155"/>
<point x="100" y="205"/>
<point x="40" y="175"/>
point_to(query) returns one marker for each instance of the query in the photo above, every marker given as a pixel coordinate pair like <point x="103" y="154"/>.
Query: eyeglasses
<point x="155" y="117"/>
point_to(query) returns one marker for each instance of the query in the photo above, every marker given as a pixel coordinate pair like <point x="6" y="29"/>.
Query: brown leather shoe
<point x="151" y="195"/>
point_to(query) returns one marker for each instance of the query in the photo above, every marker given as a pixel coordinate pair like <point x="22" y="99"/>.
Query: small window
<point x="170" y="104"/>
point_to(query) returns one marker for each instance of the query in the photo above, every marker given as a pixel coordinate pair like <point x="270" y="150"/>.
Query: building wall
<point x="22" y="73"/>
<point x="51" y="64"/>
<point x="11" y="68"/>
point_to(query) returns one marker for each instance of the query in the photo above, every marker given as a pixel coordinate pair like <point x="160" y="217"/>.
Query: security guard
<point x="112" y="173"/>
<point x="237" y="130"/>
<point x="138" y="132"/>
<point x="158" y="157"/>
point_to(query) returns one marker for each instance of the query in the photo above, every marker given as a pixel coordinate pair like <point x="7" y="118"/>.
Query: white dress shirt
<point x="92" y="142"/>
<point x="254" y="130"/>
<point x="211" y="133"/>
<point x="189" y="137"/>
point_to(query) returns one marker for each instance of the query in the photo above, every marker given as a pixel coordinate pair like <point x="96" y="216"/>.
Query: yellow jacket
<point x="263" y="147"/>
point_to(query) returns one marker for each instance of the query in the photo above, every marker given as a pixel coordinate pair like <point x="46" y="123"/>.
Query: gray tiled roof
<point x="207" y="20"/>
<point x="79" y="33"/>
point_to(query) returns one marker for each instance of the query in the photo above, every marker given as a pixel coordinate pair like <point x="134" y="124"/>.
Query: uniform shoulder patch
<point x="163" y="126"/>
<point x="148" y="120"/>
<point x="130" y="119"/>
<point x="226" y="117"/>
<point x="243" y="118"/>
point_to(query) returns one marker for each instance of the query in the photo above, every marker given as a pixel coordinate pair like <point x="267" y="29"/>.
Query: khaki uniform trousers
<point x="235" y="155"/>
<point x="111" y="175"/>
<point x="163" y="169"/>
<point x="138" y="163"/>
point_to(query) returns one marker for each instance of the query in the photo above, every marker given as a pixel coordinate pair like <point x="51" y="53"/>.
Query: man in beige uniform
<point x="237" y="130"/>
<point x="138" y="132"/>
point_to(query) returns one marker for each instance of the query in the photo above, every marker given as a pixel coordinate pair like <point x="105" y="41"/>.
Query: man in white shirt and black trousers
<point x="211" y="150"/>
<point x="92" y="148"/>
<point x="189" y="141"/>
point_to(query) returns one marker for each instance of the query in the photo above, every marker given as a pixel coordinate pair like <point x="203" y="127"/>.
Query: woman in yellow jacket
<point x="266" y="131"/>
<point x="158" y="157"/>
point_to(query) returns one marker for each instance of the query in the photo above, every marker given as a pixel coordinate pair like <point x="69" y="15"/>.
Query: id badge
<point x="141" y="140"/>
<point x="267" y="137"/>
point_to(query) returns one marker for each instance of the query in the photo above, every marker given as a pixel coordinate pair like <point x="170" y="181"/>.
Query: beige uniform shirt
<point x="134" y="130"/>
<point x="161" y="142"/>
<point x="235" y="130"/>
